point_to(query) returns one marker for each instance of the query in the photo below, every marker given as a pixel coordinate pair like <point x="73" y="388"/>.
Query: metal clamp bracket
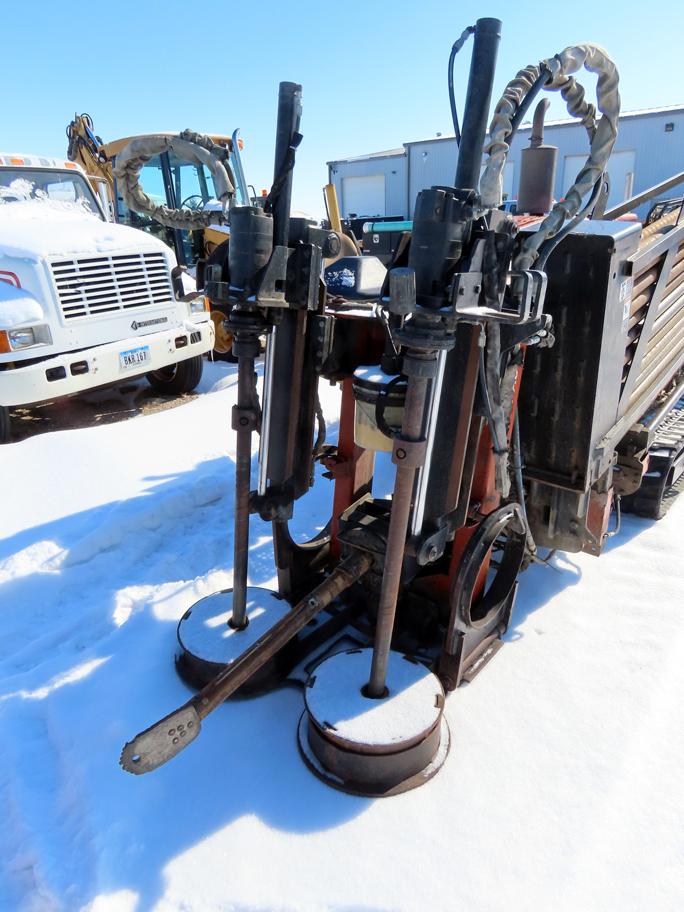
<point x="244" y="419"/>
<point x="521" y="302"/>
<point x="409" y="453"/>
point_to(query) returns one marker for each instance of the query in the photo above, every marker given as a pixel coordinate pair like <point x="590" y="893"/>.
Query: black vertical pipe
<point x="289" y="116"/>
<point x="172" y="202"/>
<point x="479" y="95"/>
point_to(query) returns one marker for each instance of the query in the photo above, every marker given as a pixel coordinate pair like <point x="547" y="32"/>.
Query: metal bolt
<point x="401" y="453"/>
<point x="175" y="740"/>
<point x="172" y="731"/>
<point x="244" y="422"/>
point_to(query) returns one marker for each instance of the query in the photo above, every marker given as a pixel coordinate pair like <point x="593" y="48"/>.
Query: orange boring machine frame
<point x="520" y="372"/>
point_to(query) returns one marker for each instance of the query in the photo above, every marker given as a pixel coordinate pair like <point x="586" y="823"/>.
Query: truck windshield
<point x="66" y="187"/>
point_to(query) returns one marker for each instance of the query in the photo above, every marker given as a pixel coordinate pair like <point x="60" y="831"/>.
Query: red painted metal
<point x="484" y="497"/>
<point x="352" y="466"/>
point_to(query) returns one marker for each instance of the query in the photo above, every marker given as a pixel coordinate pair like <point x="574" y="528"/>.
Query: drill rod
<point x="243" y="461"/>
<point x="412" y="425"/>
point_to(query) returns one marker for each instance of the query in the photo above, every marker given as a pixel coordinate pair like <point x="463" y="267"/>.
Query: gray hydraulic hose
<point x="602" y="133"/>
<point x="189" y="147"/>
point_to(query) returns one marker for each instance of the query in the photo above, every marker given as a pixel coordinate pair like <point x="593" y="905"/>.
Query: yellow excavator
<point x="174" y="186"/>
<point x="177" y="187"/>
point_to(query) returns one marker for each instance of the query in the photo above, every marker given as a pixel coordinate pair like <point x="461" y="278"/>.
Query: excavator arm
<point x="87" y="150"/>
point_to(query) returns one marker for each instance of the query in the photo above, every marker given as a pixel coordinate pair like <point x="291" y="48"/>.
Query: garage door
<point x="620" y="172"/>
<point x="363" y="196"/>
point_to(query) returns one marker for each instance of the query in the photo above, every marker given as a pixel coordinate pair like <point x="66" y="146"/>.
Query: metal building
<point x="649" y="148"/>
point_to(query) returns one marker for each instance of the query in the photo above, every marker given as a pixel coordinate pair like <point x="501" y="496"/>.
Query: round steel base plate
<point x="207" y="642"/>
<point x="370" y="747"/>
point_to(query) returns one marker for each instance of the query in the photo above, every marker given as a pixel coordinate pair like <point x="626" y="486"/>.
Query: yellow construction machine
<point x="171" y="189"/>
<point x="178" y="187"/>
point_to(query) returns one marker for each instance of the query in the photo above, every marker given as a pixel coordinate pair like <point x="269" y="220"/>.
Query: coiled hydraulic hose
<point x="190" y="147"/>
<point x="555" y="74"/>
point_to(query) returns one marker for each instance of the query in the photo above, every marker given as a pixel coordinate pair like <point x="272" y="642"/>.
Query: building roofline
<point x="389" y="153"/>
<point x="565" y="122"/>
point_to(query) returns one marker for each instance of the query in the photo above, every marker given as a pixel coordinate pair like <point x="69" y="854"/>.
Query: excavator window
<point x="152" y="182"/>
<point x="177" y="184"/>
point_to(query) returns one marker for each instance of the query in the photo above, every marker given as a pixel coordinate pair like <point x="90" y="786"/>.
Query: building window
<point x="669" y="127"/>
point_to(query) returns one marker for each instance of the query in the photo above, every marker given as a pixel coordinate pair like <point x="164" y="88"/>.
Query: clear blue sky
<point x="373" y="73"/>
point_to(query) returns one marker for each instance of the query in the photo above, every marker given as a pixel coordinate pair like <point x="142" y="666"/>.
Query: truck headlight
<point x="21" y="338"/>
<point x="26" y="337"/>
<point x="199" y="305"/>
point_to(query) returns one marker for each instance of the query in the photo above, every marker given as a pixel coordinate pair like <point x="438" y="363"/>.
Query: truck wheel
<point x="182" y="377"/>
<point x="4" y="424"/>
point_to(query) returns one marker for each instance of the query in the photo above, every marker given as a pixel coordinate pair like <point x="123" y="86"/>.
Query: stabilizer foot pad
<point x="207" y="642"/>
<point x="375" y="748"/>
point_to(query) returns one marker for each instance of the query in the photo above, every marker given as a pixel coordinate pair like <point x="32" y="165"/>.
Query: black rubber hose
<point x="549" y="246"/>
<point x="489" y="413"/>
<point x="526" y="103"/>
<point x="452" y="99"/>
<point x="517" y="471"/>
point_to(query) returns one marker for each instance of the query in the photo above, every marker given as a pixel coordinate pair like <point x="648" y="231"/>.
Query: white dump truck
<point x="85" y="302"/>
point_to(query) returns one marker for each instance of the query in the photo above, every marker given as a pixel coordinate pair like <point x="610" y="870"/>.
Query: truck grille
<point x="89" y="286"/>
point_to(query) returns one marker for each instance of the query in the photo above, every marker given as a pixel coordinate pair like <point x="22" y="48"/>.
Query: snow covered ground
<point x="563" y="790"/>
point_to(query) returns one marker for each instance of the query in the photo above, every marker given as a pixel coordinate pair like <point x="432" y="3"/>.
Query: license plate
<point x="134" y="357"/>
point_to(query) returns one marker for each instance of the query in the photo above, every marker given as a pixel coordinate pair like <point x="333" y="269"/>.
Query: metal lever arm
<point x="162" y="741"/>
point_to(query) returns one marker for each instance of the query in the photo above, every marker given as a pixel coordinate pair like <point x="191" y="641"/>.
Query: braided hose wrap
<point x="602" y="133"/>
<point x="491" y="181"/>
<point x="189" y="147"/>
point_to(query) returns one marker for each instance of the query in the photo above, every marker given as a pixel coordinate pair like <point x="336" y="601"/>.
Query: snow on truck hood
<point x="18" y="307"/>
<point x="39" y="228"/>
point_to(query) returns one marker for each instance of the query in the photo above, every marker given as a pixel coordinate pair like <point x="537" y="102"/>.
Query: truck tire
<point x="178" y="378"/>
<point x="4" y="424"/>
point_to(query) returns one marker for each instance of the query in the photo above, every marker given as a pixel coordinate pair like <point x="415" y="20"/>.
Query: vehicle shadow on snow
<point x="89" y="635"/>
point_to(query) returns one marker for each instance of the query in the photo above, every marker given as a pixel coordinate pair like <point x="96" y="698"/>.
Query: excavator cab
<point x="178" y="184"/>
<point x="165" y="178"/>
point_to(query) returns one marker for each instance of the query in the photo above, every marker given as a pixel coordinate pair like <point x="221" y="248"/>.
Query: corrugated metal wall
<point x="429" y="163"/>
<point x="393" y="167"/>
<point x="658" y="154"/>
<point x="433" y="162"/>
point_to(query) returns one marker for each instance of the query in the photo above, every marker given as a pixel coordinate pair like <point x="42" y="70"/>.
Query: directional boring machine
<point x="521" y="372"/>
